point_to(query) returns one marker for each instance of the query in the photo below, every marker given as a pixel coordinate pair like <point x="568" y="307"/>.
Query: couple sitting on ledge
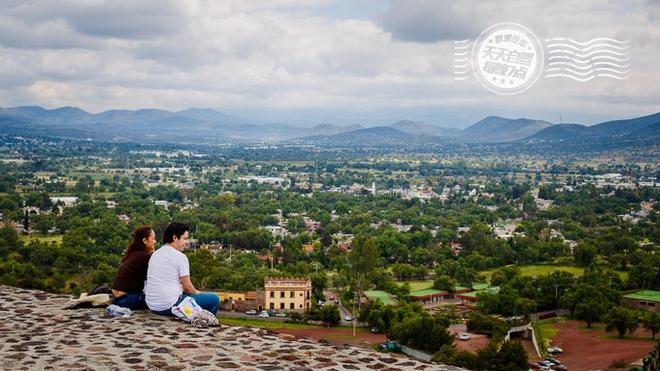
<point x="166" y="271"/>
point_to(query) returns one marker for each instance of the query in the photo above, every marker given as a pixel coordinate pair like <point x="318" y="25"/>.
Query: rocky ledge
<point x="37" y="334"/>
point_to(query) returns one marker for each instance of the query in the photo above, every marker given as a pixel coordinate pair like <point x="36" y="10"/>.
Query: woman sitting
<point x="129" y="284"/>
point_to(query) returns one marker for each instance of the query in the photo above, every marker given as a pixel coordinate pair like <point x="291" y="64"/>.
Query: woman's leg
<point x="131" y="300"/>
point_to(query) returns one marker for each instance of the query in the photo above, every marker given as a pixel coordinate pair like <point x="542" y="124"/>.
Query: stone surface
<point x="36" y="335"/>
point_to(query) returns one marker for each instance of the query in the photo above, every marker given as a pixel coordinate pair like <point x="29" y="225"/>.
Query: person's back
<point x="127" y="289"/>
<point x="163" y="287"/>
<point x="168" y="275"/>
<point x="132" y="272"/>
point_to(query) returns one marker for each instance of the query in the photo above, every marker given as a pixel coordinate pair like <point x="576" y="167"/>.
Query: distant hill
<point x="148" y="125"/>
<point x="645" y="127"/>
<point x="209" y="114"/>
<point x="375" y="136"/>
<point x="422" y="128"/>
<point x="206" y="125"/>
<point x="328" y="129"/>
<point x="494" y="129"/>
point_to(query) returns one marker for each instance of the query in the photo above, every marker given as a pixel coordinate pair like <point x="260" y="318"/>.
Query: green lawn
<point x="626" y="337"/>
<point x="281" y="325"/>
<point x="27" y="238"/>
<point x="542" y="270"/>
<point x="383" y="296"/>
<point x="418" y="285"/>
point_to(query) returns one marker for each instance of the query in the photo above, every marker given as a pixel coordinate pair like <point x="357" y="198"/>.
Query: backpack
<point x="186" y="309"/>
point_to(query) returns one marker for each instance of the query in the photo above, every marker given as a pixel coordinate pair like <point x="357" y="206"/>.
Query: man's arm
<point x="188" y="287"/>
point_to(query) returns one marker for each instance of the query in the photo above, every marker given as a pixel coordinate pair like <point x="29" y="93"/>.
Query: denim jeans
<point x="206" y="300"/>
<point x="131" y="300"/>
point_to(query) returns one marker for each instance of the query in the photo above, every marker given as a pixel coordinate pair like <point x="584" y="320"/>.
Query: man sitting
<point x="168" y="275"/>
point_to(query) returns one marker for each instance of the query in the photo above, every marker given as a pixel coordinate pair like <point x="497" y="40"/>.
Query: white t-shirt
<point x="166" y="266"/>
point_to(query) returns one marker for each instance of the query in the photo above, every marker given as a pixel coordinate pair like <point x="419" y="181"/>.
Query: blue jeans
<point x="131" y="300"/>
<point x="206" y="300"/>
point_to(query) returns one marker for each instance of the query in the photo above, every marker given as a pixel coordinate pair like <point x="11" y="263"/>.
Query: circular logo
<point x="507" y="58"/>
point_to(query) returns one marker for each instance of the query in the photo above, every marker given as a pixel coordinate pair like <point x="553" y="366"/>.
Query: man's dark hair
<point x="174" y="229"/>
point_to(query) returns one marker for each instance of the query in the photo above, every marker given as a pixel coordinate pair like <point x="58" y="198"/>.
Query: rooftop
<point x="648" y="295"/>
<point x="37" y="334"/>
<point x="296" y="280"/>
<point x="427" y="292"/>
<point x="474" y="294"/>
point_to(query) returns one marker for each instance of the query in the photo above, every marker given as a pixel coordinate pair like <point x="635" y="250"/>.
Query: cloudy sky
<point x="311" y="61"/>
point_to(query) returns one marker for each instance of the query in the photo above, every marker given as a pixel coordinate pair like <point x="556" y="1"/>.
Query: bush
<point x="483" y="324"/>
<point x="423" y="332"/>
<point x="295" y="317"/>
<point x="330" y="314"/>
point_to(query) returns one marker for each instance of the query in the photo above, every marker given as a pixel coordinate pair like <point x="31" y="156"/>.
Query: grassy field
<point x="50" y="239"/>
<point x="418" y="285"/>
<point x="626" y="337"/>
<point x="541" y="270"/>
<point x="264" y="323"/>
<point x="337" y="334"/>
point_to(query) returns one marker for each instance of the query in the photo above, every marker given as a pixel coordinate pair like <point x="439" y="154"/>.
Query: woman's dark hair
<point x="137" y="244"/>
<point x="174" y="229"/>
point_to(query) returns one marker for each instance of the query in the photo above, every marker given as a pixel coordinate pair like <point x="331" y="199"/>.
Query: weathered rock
<point x="37" y="335"/>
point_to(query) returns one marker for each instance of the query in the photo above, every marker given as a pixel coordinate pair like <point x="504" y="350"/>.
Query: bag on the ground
<point x="204" y="319"/>
<point x="186" y="309"/>
<point x="117" y="311"/>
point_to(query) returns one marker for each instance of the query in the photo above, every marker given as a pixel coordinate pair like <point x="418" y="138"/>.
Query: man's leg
<point x="208" y="301"/>
<point x="168" y="312"/>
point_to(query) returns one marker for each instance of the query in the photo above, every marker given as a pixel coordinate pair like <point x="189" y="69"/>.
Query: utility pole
<point x="271" y="256"/>
<point x="354" y="323"/>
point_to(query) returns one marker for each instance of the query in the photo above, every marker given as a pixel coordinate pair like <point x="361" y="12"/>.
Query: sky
<point x="307" y="62"/>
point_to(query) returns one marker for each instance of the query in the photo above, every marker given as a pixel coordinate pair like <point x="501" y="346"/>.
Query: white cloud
<point x="238" y="55"/>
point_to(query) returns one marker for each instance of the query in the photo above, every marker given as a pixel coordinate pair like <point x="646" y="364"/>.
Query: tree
<point x="584" y="253"/>
<point x="363" y="261"/>
<point x="487" y="325"/>
<point x="621" y="320"/>
<point x="510" y="356"/>
<point x="444" y="283"/>
<point x="590" y="311"/>
<point x="504" y="275"/>
<point x="644" y="275"/>
<point x="423" y="332"/>
<point x="330" y="314"/>
<point x="651" y="322"/>
<point x="103" y="275"/>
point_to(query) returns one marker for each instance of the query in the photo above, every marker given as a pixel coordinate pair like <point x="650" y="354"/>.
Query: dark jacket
<point x="132" y="272"/>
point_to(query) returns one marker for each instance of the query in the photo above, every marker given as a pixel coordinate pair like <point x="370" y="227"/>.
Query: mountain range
<point x="206" y="125"/>
<point x="494" y="129"/>
<point x="645" y="127"/>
